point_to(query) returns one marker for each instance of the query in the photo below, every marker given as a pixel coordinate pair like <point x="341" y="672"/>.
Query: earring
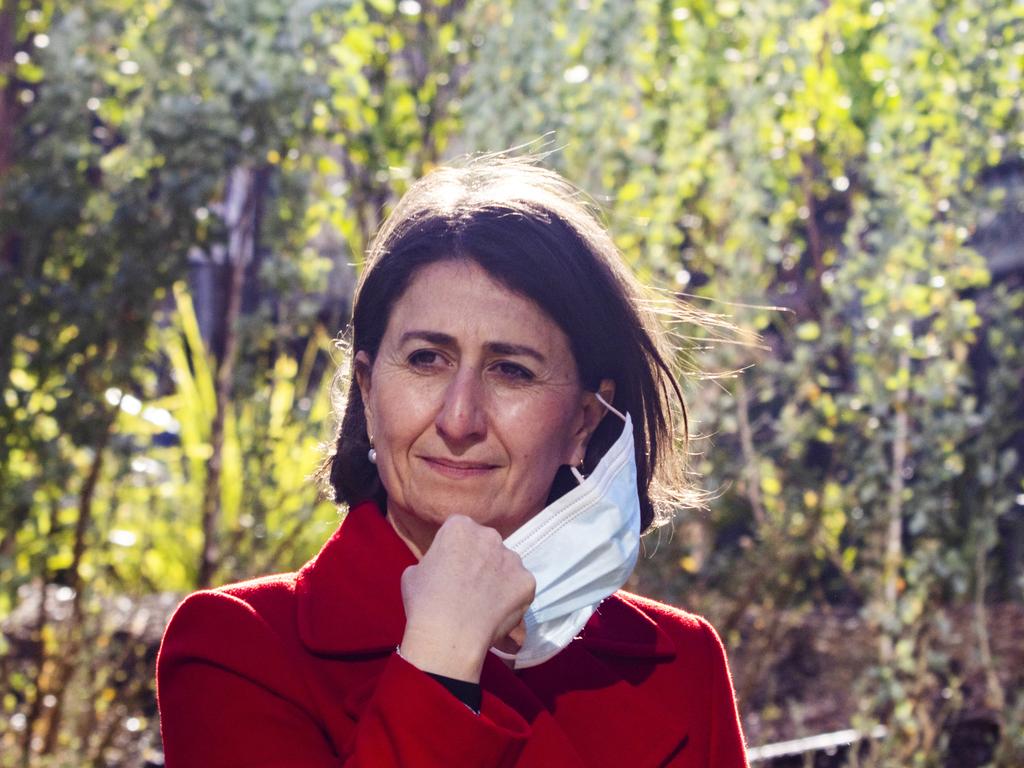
<point x="577" y="471"/>
<point x="372" y="453"/>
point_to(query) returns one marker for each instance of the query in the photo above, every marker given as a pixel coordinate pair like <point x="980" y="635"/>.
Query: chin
<point x="476" y="510"/>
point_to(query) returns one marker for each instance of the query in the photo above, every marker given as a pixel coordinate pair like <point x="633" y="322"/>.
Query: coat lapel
<point x="349" y="597"/>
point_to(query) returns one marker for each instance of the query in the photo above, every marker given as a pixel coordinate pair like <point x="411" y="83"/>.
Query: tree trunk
<point x="8" y="106"/>
<point x="894" y="529"/>
<point x="64" y="666"/>
<point x="751" y="470"/>
<point x="242" y="206"/>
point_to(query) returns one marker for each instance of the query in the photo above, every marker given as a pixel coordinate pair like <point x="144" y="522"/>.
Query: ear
<point x="592" y="411"/>
<point x="362" y="367"/>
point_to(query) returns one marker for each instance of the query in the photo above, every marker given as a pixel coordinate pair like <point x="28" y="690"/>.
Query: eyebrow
<point x="494" y="347"/>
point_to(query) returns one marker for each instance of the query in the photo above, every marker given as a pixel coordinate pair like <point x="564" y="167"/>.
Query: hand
<point x="468" y="592"/>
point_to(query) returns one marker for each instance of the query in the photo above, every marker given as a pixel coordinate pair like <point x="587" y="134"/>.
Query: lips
<point x="455" y="468"/>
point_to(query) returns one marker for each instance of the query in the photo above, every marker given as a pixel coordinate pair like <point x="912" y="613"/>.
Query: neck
<point x="417" y="544"/>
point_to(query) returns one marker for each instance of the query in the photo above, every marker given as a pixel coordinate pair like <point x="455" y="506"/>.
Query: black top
<point x="463" y="690"/>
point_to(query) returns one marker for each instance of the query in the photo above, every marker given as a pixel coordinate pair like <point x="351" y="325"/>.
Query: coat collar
<point x="349" y="598"/>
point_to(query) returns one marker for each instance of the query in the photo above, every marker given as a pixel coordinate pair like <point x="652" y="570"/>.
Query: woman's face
<point x="473" y="403"/>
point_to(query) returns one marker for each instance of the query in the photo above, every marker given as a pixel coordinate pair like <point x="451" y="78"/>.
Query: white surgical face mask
<point x="580" y="549"/>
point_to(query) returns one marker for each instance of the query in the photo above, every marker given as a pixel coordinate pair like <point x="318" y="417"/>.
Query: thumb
<point x="513" y="641"/>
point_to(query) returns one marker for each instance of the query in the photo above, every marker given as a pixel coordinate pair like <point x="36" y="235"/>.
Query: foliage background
<point x="185" y="186"/>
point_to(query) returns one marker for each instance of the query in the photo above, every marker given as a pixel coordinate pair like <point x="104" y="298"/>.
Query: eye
<point x="513" y="371"/>
<point x="425" y="359"/>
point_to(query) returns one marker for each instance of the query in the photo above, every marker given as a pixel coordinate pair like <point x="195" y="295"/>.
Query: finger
<point x="408" y="575"/>
<point x="513" y="640"/>
<point x="518" y="634"/>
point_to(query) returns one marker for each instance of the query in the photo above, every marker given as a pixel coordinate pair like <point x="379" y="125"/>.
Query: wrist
<point x="438" y="655"/>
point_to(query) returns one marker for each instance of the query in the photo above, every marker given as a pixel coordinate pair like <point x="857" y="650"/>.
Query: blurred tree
<point x="145" y="137"/>
<point x="828" y="174"/>
<point x="826" y="159"/>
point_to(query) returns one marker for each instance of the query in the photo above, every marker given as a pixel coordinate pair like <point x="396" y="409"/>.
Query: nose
<point x="462" y="418"/>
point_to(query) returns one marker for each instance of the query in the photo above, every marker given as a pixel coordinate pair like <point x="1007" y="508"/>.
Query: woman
<point x="506" y="437"/>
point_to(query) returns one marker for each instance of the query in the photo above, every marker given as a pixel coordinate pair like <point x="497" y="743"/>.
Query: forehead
<point x="459" y="298"/>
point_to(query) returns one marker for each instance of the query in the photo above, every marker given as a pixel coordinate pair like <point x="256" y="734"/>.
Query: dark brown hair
<point x="531" y="231"/>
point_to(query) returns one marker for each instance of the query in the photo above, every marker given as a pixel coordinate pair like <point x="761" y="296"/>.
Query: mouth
<point x="454" y="468"/>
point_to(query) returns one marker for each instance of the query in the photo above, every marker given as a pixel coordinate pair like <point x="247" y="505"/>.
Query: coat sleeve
<point x="727" y="749"/>
<point x="231" y="694"/>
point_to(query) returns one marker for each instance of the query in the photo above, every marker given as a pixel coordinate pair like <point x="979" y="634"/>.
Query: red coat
<point x="300" y="669"/>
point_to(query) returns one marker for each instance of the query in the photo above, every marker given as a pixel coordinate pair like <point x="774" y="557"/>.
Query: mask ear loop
<point x="609" y="406"/>
<point x="575" y="472"/>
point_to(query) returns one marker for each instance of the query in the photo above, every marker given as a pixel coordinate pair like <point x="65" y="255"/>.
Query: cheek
<point x="401" y="412"/>
<point x="543" y="432"/>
